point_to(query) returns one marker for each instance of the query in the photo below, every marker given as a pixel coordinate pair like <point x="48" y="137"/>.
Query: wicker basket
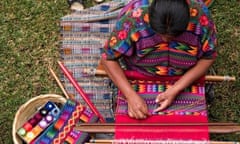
<point x="28" y="109"/>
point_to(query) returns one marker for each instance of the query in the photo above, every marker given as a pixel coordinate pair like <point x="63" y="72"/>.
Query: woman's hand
<point x="166" y="98"/>
<point x="137" y="107"/>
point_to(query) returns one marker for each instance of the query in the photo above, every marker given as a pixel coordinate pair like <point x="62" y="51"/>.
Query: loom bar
<point x="80" y="91"/>
<point x="110" y="141"/>
<point x="58" y="82"/>
<point x="110" y="127"/>
<point x="208" y="78"/>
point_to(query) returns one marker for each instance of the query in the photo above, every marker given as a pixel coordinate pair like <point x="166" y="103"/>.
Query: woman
<point x="167" y="38"/>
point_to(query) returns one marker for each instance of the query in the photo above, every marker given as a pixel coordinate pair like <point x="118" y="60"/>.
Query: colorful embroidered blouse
<point x="143" y="50"/>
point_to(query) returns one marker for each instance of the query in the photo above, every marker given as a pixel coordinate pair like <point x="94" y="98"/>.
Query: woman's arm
<point x="165" y="99"/>
<point x="137" y="107"/>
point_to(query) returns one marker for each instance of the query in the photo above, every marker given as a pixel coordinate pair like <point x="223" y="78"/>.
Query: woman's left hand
<point x="165" y="99"/>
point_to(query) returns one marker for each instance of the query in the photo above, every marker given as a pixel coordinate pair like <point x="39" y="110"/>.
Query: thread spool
<point x="43" y="124"/>
<point x="27" y="126"/>
<point x="43" y="112"/>
<point x="33" y="121"/>
<point x="49" y="106"/>
<point x="45" y="140"/>
<point x="22" y="132"/>
<point x="51" y="133"/>
<point x="37" y="130"/>
<point x="29" y="137"/>
<point x="38" y="116"/>
<point x="49" y="118"/>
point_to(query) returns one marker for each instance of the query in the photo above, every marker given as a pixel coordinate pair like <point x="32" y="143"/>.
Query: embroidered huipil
<point x="134" y="41"/>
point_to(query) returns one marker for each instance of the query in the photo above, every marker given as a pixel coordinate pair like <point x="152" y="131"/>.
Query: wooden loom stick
<point x="221" y="128"/>
<point x="59" y="83"/>
<point x="208" y="78"/>
<point x="80" y="91"/>
<point x="111" y="141"/>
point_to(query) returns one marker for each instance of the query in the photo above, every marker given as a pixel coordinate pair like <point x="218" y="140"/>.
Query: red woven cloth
<point x="189" y="107"/>
<point x="153" y="132"/>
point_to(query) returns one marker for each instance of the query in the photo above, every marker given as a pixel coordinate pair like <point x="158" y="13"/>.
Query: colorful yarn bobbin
<point x="43" y="124"/>
<point x="33" y="121"/>
<point x="49" y="118"/>
<point x="45" y="140"/>
<point x="29" y="137"/>
<point x="49" y="106"/>
<point x="37" y="130"/>
<point x="38" y="116"/>
<point x="51" y="133"/>
<point x="27" y="126"/>
<point x="43" y="111"/>
<point x="22" y="132"/>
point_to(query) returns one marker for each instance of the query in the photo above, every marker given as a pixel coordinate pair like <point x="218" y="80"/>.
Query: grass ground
<point x="29" y="32"/>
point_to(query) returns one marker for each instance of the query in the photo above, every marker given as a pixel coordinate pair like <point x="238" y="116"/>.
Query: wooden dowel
<point x="110" y="128"/>
<point x="208" y="78"/>
<point x="160" y="124"/>
<point x="59" y="83"/>
<point x="212" y="78"/>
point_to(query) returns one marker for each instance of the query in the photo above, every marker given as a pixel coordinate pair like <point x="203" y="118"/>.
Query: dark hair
<point x="169" y="17"/>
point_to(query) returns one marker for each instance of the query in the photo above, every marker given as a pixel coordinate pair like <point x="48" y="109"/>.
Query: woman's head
<point x="169" y="17"/>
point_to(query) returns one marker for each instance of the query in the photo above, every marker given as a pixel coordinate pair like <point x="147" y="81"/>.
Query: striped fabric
<point x="188" y="107"/>
<point x="191" y="101"/>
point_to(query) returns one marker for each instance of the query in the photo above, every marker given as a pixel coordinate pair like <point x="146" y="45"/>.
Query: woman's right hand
<point x="137" y="107"/>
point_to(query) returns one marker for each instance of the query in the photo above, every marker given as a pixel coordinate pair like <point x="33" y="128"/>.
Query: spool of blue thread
<point x="49" y="106"/>
<point x="45" y="140"/>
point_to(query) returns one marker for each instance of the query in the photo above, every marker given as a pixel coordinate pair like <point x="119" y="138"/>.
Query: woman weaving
<point x="165" y="38"/>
